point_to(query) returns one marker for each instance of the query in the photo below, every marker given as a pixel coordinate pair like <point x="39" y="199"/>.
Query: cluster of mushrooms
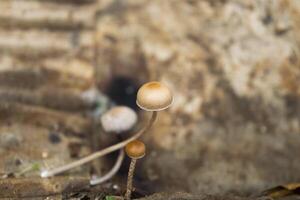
<point x="152" y="97"/>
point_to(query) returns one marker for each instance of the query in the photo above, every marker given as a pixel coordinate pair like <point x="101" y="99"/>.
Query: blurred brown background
<point x="233" y="66"/>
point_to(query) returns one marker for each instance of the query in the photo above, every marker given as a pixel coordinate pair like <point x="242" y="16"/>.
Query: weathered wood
<point x="34" y="42"/>
<point x="80" y="2"/>
<point x="42" y="78"/>
<point x="59" y="99"/>
<point x="35" y="14"/>
<point x="42" y="117"/>
<point x="46" y="49"/>
<point x="58" y="1"/>
<point x="44" y="43"/>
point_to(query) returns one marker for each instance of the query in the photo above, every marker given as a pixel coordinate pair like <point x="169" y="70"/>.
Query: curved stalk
<point x="97" y="154"/>
<point x="112" y="172"/>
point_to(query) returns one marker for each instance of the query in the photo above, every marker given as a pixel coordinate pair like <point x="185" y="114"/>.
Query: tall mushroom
<point x="152" y="96"/>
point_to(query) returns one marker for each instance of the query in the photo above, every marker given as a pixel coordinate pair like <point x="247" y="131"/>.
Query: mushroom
<point x="152" y="96"/>
<point x="135" y="150"/>
<point x="118" y="119"/>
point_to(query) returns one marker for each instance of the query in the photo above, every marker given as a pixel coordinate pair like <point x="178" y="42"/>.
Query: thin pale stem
<point x="112" y="172"/>
<point x="49" y="173"/>
<point x="130" y="178"/>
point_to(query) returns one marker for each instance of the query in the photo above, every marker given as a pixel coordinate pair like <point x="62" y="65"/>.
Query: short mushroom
<point x="135" y="150"/>
<point x="152" y="96"/>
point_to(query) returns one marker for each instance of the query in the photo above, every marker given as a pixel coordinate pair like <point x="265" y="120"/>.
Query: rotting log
<point x="79" y="2"/>
<point x="58" y="99"/>
<point x="44" y="55"/>
<point x="40" y="44"/>
<point x="37" y="78"/>
<point x="42" y="117"/>
<point x="46" y="49"/>
<point x="50" y="15"/>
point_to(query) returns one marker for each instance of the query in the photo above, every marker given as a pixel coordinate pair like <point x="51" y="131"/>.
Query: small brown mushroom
<point x="135" y="150"/>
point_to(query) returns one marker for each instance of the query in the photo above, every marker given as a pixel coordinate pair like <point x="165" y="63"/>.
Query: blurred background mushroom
<point x="117" y="120"/>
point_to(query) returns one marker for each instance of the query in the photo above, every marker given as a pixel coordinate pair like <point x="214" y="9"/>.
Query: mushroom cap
<point x="135" y="149"/>
<point x="154" y="96"/>
<point x="118" y="119"/>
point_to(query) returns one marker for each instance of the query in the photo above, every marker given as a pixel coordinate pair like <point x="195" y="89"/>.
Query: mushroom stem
<point x="97" y="154"/>
<point x="112" y="172"/>
<point x="130" y="178"/>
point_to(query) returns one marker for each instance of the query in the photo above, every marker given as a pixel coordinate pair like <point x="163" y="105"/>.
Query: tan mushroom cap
<point x="154" y="96"/>
<point x="135" y="149"/>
